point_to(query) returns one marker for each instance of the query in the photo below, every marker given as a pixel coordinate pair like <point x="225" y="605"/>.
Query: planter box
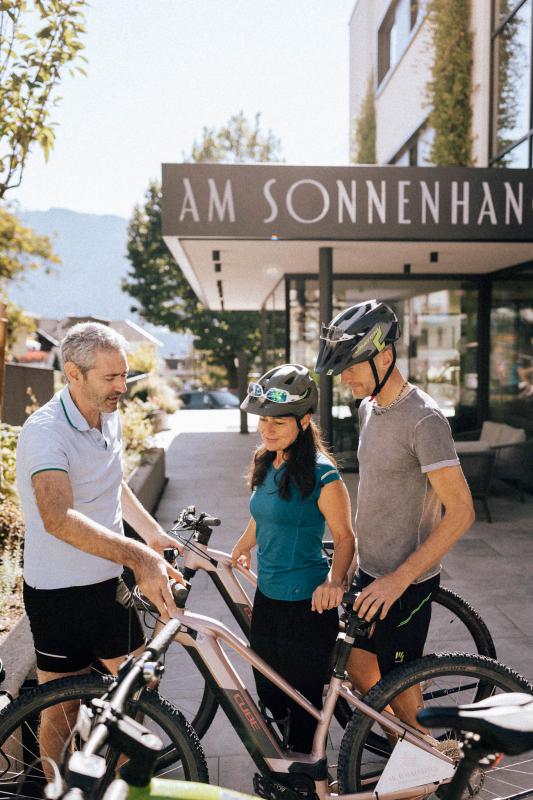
<point x="16" y="651"/>
<point x="148" y="480"/>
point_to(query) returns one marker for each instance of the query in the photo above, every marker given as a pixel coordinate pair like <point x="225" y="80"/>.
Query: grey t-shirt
<point x="397" y="507"/>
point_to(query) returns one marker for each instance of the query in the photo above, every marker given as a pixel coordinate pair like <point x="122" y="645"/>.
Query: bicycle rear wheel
<point x="20" y="751"/>
<point x="446" y="679"/>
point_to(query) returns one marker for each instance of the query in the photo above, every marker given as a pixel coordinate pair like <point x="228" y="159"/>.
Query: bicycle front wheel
<point x="455" y="625"/>
<point x="23" y="744"/>
<point x="445" y="679"/>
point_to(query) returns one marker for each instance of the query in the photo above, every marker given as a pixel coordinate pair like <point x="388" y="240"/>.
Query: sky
<point x="161" y="70"/>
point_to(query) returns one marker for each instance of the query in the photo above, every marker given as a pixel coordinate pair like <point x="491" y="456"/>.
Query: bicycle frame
<point x="218" y="566"/>
<point x="202" y="637"/>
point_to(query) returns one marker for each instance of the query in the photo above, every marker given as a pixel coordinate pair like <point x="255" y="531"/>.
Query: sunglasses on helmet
<point x="333" y="333"/>
<point x="275" y="395"/>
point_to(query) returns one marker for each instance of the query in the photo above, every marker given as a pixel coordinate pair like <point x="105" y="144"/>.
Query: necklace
<point x="397" y="399"/>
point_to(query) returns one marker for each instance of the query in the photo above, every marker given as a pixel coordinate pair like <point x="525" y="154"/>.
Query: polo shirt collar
<point x="72" y="413"/>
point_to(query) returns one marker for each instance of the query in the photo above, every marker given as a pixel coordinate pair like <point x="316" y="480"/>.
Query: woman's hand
<point x="328" y="595"/>
<point x="241" y="555"/>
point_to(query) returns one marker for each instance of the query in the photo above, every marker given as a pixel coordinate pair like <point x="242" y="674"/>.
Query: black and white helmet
<point x="287" y="390"/>
<point x="355" y="335"/>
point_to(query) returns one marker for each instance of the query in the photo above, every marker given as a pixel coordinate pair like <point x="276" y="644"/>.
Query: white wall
<point x="480" y="27"/>
<point x="363" y="27"/>
<point x="401" y="103"/>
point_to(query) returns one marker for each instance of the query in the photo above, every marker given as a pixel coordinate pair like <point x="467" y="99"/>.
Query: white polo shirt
<point x="58" y="437"/>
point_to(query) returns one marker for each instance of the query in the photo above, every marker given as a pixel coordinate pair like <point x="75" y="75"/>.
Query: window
<point x="511" y="361"/>
<point x="395" y="32"/>
<point x="512" y="125"/>
<point x="416" y="151"/>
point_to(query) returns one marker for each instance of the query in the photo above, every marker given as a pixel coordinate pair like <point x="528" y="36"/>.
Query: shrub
<point x="11" y="524"/>
<point x="8" y="444"/>
<point x="157" y="392"/>
<point x="10" y="575"/>
<point x="142" y="359"/>
<point x="137" y="432"/>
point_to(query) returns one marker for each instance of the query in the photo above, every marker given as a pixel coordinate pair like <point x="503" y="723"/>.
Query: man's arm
<point x="144" y="524"/>
<point x="53" y="493"/>
<point x="452" y="490"/>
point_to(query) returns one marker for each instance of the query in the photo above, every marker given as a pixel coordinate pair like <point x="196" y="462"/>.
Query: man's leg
<point x="363" y="669"/>
<point x="398" y="639"/>
<point x="57" y="721"/>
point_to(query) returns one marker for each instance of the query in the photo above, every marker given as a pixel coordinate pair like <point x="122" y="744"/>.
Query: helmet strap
<point x="380" y="384"/>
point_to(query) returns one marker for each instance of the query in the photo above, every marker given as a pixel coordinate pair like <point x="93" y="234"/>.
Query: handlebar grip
<point x="180" y="593"/>
<point x="170" y="555"/>
<point x="211" y="522"/>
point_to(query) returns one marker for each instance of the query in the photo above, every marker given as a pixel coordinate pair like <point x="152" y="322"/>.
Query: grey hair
<point x="83" y="340"/>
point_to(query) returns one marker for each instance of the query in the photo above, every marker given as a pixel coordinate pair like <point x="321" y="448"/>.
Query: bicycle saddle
<point x="504" y="722"/>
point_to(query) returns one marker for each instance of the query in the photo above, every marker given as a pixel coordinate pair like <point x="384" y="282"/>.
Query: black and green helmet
<point x="355" y="335"/>
<point x="287" y="390"/>
<point x="359" y="334"/>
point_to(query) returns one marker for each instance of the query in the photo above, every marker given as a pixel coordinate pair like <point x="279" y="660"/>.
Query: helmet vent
<point x="290" y="380"/>
<point x="352" y="313"/>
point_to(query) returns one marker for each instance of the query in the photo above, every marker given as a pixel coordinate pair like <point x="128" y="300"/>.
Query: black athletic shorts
<point x="401" y="636"/>
<point x="73" y="627"/>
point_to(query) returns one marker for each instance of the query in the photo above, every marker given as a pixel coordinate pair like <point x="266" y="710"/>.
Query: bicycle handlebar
<point x="188" y="519"/>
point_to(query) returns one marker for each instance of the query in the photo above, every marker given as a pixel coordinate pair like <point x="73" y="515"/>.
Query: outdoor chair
<point x="477" y="462"/>
<point x="513" y="453"/>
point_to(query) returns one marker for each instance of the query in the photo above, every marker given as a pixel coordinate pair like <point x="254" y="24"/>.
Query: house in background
<point x="42" y="347"/>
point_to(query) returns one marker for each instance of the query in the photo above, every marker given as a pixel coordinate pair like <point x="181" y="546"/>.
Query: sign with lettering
<point x="264" y="201"/>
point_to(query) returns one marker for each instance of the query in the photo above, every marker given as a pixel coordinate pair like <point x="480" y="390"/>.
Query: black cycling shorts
<point x="401" y="636"/>
<point x="74" y="627"/>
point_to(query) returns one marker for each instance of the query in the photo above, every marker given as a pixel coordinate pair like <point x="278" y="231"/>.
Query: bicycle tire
<point x="206" y="712"/>
<point x="468" y="616"/>
<point x="361" y="764"/>
<point x="182" y="751"/>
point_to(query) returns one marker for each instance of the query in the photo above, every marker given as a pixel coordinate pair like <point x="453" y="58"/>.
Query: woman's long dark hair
<point x="300" y="463"/>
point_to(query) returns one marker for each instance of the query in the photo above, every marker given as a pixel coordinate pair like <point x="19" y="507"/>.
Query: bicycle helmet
<point x="358" y="334"/>
<point x="284" y="391"/>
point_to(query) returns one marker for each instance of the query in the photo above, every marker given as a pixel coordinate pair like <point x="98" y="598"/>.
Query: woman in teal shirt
<point x="296" y="489"/>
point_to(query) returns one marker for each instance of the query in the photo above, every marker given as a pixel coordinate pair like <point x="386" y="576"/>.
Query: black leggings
<point x="297" y="643"/>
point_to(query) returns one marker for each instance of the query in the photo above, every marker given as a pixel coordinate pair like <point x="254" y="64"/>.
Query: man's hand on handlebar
<point x="152" y="575"/>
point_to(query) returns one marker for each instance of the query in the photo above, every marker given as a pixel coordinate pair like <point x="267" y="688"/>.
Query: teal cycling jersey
<point x="289" y="535"/>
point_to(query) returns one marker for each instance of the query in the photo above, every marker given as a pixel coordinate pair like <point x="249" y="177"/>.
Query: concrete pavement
<point x="207" y="460"/>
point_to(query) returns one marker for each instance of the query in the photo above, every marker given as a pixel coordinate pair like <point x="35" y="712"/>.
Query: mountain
<point x="92" y="248"/>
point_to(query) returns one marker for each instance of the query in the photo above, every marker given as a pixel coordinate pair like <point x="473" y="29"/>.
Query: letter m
<point x="221" y="205"/>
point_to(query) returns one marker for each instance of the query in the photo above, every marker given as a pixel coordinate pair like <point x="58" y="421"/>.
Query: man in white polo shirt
<point x="69" y="474"/>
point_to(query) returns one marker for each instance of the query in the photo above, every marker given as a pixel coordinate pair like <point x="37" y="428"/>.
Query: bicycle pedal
<point x="271" y="789"/>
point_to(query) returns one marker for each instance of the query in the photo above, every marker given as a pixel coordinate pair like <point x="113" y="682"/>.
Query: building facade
<point x="391" y="56"/>
<point x="451" y="249"/>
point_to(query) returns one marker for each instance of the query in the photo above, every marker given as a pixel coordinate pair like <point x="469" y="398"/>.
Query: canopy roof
<point x="236" y="229"/>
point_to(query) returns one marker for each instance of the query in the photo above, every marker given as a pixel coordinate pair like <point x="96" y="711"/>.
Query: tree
<point x="164" y="295"/>
<point x="31" y="65"/>
<point x="21" y="248"/>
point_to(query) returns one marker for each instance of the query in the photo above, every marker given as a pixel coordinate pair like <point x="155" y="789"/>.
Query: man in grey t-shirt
<point x="408" y="471"/>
